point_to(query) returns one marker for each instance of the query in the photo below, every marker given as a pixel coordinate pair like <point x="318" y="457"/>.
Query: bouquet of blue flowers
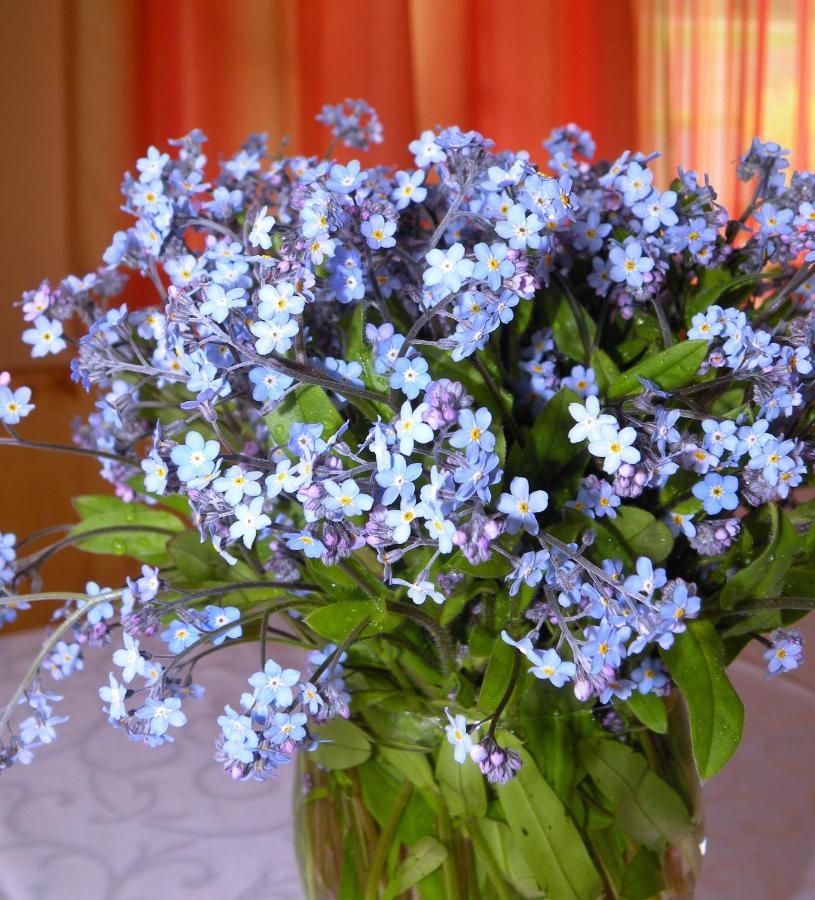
<point x="515" y="452"/>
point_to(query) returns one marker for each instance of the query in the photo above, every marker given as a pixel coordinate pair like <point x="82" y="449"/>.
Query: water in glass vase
<point x="602" y="807"/>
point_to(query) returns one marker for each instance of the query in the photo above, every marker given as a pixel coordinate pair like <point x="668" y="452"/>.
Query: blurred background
<point x="88" y="85"/>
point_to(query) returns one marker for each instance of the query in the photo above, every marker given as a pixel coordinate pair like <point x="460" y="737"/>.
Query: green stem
<point x="49" y="644"/>
<point x="38" y="558"/>
<point x="250" y="616"/>
<point x="350" y="570"/>
<point x="41" y="532"/>
<point x="17" y="441"/>
<point x="447" y="218"/>
<point x="768" y="603"/>
<point x="577" y="313"/>
<point x="438" y="635"/>
<point x="451" y="883"/>
<point x="234" y="586"/>
<point x="506" y="412"/>
<point x="775" y="522"/>
<point x="601" y="845"/>
<point x="337" y="654"/>
<point x="48" y="595"/>
<point x="775" y="304"/>
<point x="264" y="637"/>
<point x="417" y="326"/>
<point x="601" y="325"/>
<point x="485" y="857"/>
<point x="664" y="327"/>
<point x="386" y="836"/>
<point x="513" y="678"/>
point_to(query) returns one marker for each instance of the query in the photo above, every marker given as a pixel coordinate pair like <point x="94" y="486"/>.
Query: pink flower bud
<point x="582" y="688"/>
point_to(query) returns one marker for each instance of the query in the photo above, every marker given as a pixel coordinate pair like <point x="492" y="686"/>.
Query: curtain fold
<point x="695" y="79"/>
<point x="716" y="73"/>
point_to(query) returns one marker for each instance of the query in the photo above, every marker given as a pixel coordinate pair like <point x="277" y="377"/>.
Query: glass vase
<point x="601" y="807"/>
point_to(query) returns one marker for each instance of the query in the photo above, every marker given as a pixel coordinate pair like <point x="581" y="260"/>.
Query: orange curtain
<point x="716" y="73"/>
<point x="137" y="73"/>
<point x="88" y="84"/>
<point x="510" y="69"/>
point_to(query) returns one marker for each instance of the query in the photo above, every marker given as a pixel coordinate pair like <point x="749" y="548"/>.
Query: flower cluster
<point x="786" y="651"/>
<point x="568" y="390"/>
<point x="274" y="721"/>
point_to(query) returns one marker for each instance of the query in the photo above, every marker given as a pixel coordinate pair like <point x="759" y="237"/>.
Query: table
<point x="97" y="817"/>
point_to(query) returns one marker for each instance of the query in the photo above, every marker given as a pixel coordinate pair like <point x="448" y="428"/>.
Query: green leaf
<point x="337" y="620"/>
<point x="650" y="710"/>
<point x="609" y="845"/>
<point x="644" y="806"/>
<point x="453" y="606"/>
<point x="799" y="581"/>
<point x="803" y="514"/>
<point x="633" y="533"/>
<point x="628" y="351"/>
<point x="405" y="719"/>
<point x="546" y="730"/>
<point x="715" y="710"/>
<point x="495" y="567"/>
<point x="764" y="577"/>
<point x="497" y="676"/>
<point x="89" y="505"/>
<point x="761" y="621"/>
<point x="333" y="580"/>
<point x="413" y="765"/>
<point x="442" y="366"/>
<point x="566" y="330"/>
<point x="805" y="601"/>
<point x="646" y="327"/>
<point x="672" y="368"/>
<point x="724" y="284"/>
<point x="643" y="876"/>
<point x="546" y="836"/>
<point x="771" y="612"/>
<point x="803" y="517"/>
<point x="380" y="785"/>
<point x="523" y="316"/>
<point x="481" y="642"/>
<point x="548" y="441"/>
<point x="605" y="369"/>
<point x="176" y="502"/>
<point x="197" y="561"/>
<point x="308" y="403"/>
<point x="359" y="350"/>
<point x="508" y="858"/>
<point x="425" y="857"/>
<point x="103" y="512"/>
<point x="462" y="785"/>
<point x="346" y="745"/>
<point x="728" y="404"/>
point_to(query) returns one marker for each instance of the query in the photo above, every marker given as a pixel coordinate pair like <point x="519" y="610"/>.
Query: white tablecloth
<point x="97" y="817"/>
